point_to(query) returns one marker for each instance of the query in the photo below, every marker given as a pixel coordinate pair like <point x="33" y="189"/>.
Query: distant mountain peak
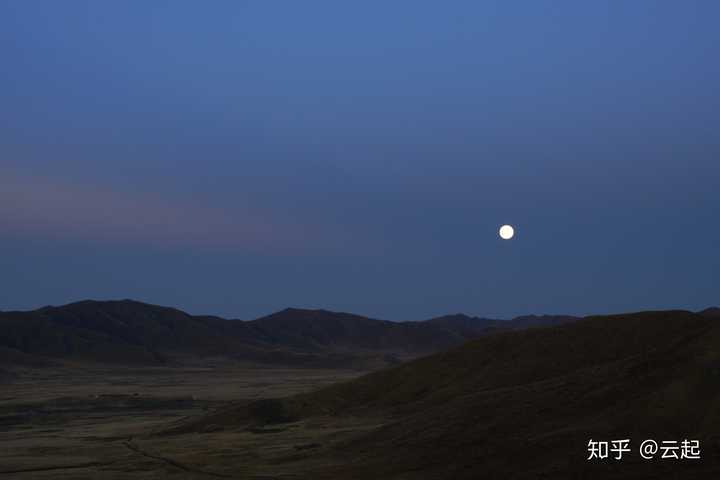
<point x="710" y="312"/>
<point x="298" y="310"/>
<point x="100" y="303"/>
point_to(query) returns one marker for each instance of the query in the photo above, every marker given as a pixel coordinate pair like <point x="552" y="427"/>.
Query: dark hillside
<point x="320" y="330"/>
<point x="524" y="404"/>
<point x="711" y="312"/>
<point x="130" y="332"/>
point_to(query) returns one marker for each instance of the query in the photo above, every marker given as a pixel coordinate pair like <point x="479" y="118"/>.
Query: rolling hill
<point x="522" y="404"/>
<point x="130" y="332"/>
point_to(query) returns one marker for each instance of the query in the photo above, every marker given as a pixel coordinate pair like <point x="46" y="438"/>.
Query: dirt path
<point x="135" y="448"/>
<point x="58" y="467"/>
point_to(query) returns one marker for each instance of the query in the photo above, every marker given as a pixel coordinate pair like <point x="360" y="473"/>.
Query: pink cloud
<point x="38" y="206"/>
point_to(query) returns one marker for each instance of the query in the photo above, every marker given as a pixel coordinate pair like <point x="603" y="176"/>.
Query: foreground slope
<point x="523" y="405"/>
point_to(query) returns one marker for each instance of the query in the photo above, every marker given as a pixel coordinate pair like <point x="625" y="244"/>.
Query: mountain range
<point x="130" y="332"/>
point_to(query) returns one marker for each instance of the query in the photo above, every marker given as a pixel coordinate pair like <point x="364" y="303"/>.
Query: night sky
<point x="237" y="158"/>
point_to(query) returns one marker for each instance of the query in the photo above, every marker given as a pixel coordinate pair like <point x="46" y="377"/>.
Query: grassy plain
<point x="89" y="422"/>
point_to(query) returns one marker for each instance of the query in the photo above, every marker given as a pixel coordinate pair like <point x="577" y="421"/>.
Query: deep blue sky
<point x="238" y="157"/>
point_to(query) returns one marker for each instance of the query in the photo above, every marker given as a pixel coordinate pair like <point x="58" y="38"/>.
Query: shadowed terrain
<point x="512" y="403"/>
<point x="79" y="421"/>
<point x="519" y="405"/>
<point x="129" y="332"/>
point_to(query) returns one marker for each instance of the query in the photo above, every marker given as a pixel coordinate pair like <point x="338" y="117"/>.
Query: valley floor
<point x="92" y="422"/>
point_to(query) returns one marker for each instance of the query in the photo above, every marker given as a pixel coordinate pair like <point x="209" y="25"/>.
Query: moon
<point x="507" y="232"/>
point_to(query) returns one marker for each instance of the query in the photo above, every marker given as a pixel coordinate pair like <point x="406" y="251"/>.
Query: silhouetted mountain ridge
<point x="710" y="312"/>
<point x="128" y="331"/>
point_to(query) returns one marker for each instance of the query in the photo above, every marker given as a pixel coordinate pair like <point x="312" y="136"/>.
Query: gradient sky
<point x="239" y="157"/>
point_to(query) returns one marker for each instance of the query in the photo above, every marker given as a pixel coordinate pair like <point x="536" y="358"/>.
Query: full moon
<point x="506" y="232"/>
